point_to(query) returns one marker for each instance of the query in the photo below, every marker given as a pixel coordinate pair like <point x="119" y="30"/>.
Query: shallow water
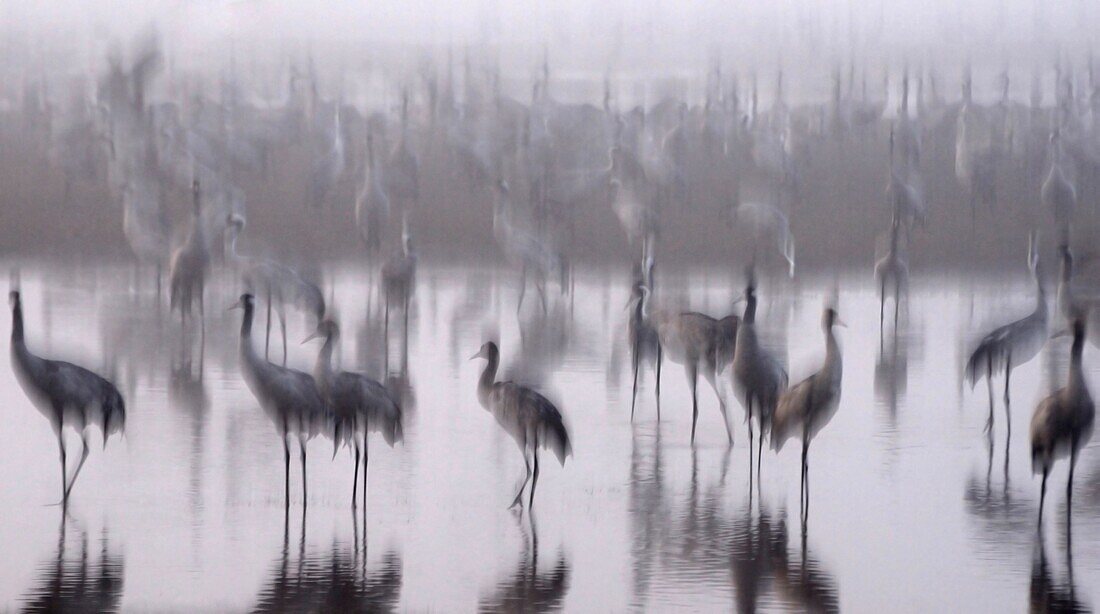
<point x="910" y="509"/>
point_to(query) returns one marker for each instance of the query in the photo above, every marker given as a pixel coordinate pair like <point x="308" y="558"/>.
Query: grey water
<point x="912" y="506"/>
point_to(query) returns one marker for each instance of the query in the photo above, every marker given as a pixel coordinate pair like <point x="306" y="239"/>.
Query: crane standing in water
<point x="809" y="405"/>
<point x="1063" y="422"/>
<point x="65" y="394"/>
<point x="530" y="418"/>
<point x="1013" y="344"/>
<point x="758" y="378"/>
<point x="644" y="342"/>
<point x="189" y="265"/>
<point x="290" y="398"/>
<point x="360" y="404"/>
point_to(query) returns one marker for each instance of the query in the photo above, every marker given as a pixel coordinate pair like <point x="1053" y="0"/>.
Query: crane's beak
<point x="315" y="335"/>
<point x="739" y="299"/>
<point x="237" y="305"/>
<point x="838" y="322"/>
<point x="1065" y="332"/>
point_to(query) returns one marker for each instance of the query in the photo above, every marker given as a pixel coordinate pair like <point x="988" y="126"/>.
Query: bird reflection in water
<point x="336" y="580"/>
<point x="526" y="588"/>
<point x="188" y="395"/>
<point x="76" y="579"/>
<point x="1046" y="594"/>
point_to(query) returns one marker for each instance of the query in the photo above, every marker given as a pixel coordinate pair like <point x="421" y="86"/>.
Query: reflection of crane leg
<point x="660" y="360"/>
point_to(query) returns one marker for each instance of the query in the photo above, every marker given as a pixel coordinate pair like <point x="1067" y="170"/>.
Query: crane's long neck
<point x="17" y="325"/>
<point x="750" y="308"/>
<point x="322" y="372"/>
<point x="832" y="353"/>
<point x="1076" y="375"/>
<point x="249" y="359"/>
<point x="488" y="377"/>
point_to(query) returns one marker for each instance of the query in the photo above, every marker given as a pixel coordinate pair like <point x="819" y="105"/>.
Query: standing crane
<point x="290" y="398"/>
<point x="1063" y="422"/>
<point x="360" y="404"/>
<point x="758" y="378"/>
<point x="1011" y="345"/>
<point x="808" y="406"/>
<point x="188" y="266"/>
<point x="530" y="418"/>
<point x="66" y="394"/>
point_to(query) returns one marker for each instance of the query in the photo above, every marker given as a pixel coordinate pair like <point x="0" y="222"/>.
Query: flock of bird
<point x="538" y="161"/>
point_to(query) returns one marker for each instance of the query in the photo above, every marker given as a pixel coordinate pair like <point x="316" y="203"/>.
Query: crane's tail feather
<point x="555" y="437"/>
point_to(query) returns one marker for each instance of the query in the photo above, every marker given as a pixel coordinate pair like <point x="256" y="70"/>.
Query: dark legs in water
<point x="634" y="388"/>
<point x="286" y="474"/>
<point x="302" y="443"/>
<point x="534" y="477"/>
<point x="1008" y="414"/>
<point x="804" y="492"/>
<point x="64" y="471"/>
<point x="660" y="359"/>
<point x="519" y="493"/>
<point x="355" y="478"/>
<point x="693" y="379"/>
<point x="1043" y="494"/>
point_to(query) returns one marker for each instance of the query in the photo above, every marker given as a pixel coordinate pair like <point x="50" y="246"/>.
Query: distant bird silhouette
<point x="892" y="269"/>
<point x="277" y="282"/>
<point x="809" y="405"/>
<point x="1063" y="422"/>
<point x="1013" y="344"/>
<point x="290" y="398"/>
<point x="696" y="340"/>
<point x="188" y="266"/>
<point x="66" y="394"/>
<point x="643" y="338"/>
<point x="360" y="404"/>
<point x="530" y="418"/>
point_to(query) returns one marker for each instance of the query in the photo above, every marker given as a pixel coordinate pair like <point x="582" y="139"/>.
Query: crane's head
<point x="246" y="302"/>
<point x="235" y="221"/>
<point x="830" y="318"/>
<point x="326" y="329"/>
<point x="488" y="351"/>
<point x="13" y="298"/>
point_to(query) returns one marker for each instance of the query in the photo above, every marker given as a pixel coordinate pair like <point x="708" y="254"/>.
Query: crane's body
<point x="66" y="394"/>
<point x="529" y="418"/>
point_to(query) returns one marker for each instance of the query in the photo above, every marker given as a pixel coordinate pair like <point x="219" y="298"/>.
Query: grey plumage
<point x="66" y="394"/>
<point x="360" y="405"/>
<point x="530" y="418"/>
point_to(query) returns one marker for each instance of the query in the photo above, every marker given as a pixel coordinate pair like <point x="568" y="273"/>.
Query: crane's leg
<point x="759" y="449"/>
<point x="267" y="334"/>
<point x="366" y="452"/>
<point x="534" y="477"/>
<point x="1043" y="494"/>
<point x="1008" y="413"/>
<point x="202" y="321"/>
<point x="881" y="305"/>
<point x="302" y="446"/>
<point x="693" y="380"/>
<point x="748" y="402"/>
<point x="286" y="473"/>
<point x="897" y="302"/>
<point x="660" y="360"/>
<point x="1069" y="482"/>
<point x="64" y="470"/>
<point x="806" y="473"/>
<point x="355" y="479"/>
<point x="527" y="463"/>
<point x="634" y="388"/>
<point x="522" y="288"/>
<point x="80" y="465"/>
<point x="282" y="325"/>
<point x="989" y="384"/>
<point x="386" y="330"/>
